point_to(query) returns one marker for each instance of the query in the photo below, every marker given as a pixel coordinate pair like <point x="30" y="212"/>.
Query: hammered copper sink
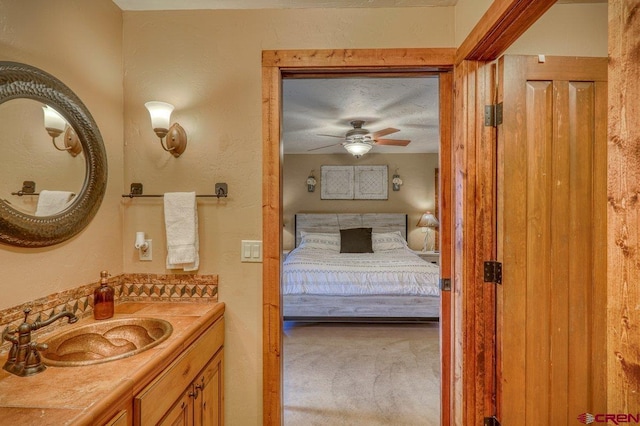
<point x="104" y="341"/>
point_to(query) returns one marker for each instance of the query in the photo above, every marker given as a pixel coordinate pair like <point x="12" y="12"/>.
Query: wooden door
<point x="551" y="311"/>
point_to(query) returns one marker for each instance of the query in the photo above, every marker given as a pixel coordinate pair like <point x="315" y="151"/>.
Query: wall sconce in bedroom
<point x="160" y="113"/>
<point x="429" y="224"/>
<point x="55" y="124"/>
<point x="311" y="182"/>
<point x="396" y="181"/>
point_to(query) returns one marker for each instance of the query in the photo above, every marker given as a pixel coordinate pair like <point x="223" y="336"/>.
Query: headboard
<point x="334" y="222"/>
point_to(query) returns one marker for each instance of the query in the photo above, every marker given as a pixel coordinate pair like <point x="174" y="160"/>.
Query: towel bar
<point x="136" y="192"/>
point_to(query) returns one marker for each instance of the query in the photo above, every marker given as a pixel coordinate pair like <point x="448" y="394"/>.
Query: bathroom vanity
<point x="179" y="381"/>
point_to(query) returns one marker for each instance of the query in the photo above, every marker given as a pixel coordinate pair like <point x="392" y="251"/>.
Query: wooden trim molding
<point x="274" y="65"/>
<point x="499" y="27"/>
<point x="622" y="257"/>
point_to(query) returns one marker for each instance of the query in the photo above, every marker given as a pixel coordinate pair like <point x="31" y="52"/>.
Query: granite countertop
<point x="76" y="395"/>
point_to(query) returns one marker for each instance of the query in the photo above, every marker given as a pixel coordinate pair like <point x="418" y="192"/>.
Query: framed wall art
<point x="354" y="183"/>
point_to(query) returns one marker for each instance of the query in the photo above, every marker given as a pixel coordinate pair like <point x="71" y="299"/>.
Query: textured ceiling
<point x="315" y="107"/>
<point x="271" y="4"/>
<point x="286" y="4"/>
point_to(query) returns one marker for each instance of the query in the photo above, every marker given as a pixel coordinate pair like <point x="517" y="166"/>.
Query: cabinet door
<point x="181" y="414"/>
<point x="208" y="406"/>
<point x="120" y="419"/>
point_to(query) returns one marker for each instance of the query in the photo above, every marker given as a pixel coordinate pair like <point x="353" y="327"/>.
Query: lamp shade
<point x="357" y="149"/>
<point x="53" y="120"/>
<point x="428" y="220"/>
<point x="160" y="113"/>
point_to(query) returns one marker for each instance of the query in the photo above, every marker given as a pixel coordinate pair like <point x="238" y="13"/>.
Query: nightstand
<point x="429" y="256"/>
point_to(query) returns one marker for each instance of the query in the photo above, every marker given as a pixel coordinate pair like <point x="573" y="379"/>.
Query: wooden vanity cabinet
<point x="190" y="390"/>
<point x="201" y="403"/>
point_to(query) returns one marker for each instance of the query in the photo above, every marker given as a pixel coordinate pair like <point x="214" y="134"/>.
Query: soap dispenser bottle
<point x="103" y="298"/>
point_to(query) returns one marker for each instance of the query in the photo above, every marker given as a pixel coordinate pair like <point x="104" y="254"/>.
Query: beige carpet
<point x="361" y="374"/>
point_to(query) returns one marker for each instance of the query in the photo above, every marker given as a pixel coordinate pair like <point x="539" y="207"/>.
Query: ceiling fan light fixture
<point x="358" y="149"/>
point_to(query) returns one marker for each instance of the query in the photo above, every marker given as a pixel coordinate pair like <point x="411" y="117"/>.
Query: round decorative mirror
<point x="54" y="143"/>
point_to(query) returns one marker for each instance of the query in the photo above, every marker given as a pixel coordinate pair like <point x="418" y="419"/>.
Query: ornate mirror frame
<point x="20" y="229"/>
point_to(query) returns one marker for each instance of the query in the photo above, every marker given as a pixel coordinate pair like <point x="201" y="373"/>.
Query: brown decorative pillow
<point x="356" y="240"/>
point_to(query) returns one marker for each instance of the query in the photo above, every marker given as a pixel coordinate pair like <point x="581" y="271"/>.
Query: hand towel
<point x="52" y="202"/>
<point x="181" y="222"/>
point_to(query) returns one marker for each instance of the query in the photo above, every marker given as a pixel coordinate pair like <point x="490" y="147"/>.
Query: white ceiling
<point x="286" y="4"/>
<point x="271" y="4"/>
<point x="315" y="107"/>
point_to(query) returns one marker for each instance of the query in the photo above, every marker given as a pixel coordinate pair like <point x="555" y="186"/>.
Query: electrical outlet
<point x="147" y="254"/>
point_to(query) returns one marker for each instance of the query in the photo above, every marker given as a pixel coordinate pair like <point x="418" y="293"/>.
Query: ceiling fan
<point x="358" y="141"/>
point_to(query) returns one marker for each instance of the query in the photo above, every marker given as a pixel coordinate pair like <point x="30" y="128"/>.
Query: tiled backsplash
<point x="127" y="287"/>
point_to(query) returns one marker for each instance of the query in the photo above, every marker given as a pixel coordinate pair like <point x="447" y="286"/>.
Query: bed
<point x="389" y="284"/>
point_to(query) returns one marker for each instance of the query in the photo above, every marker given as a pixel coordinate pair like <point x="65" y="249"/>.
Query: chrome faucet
<point x="24" y="358"/>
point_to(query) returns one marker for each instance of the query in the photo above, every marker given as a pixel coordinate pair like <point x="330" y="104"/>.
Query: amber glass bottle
<point x="103" y="298"/>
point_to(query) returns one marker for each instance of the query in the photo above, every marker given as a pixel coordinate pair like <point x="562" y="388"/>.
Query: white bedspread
<point x="393" y="272"/>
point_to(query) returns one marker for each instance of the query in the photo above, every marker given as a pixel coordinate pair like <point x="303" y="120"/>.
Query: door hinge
<point x="493" y="115"/>
<point x="445" y="284"/>
<point x="491" y="421"/>
<point x="493" y="272"/>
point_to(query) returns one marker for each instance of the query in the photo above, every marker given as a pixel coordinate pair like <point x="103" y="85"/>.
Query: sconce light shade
<point x="54" y="123"/>
<point x="311" y="182"/>
<point x="396" y="182"/>
<point x="357" y="149"/>
<point x="160" y="113"/>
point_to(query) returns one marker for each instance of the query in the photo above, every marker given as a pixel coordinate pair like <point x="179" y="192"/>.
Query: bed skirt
<point x="360" y="308"/>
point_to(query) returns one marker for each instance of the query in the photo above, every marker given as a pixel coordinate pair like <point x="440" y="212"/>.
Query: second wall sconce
<point x="311" y="182"/>
<point x="55" y="124"/>
<point x="176" y="137"/>
<point x="396" y="182"/>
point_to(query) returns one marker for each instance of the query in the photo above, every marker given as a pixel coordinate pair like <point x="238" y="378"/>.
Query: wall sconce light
<point x="55" y="124"/>
<point x="311" y="182"/>
<point x="176" y="137"/>
<point x="428" y="223"/>
<point x="396" y="181"/>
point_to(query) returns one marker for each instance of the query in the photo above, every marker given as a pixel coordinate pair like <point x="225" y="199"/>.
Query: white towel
<point x="181" y="222"/>
<point x="52" y="202"/>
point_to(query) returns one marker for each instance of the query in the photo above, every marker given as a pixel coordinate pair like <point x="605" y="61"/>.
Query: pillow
<point x="388" y="241"/>
<point x="356" y="240"/>
<point x="312" y="240"/>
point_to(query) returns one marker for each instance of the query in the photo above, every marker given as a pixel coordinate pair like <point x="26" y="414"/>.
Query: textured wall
<point x="566" y="29"/>
<point x="207" y="63"/>
<point x="415" y="196"/>
<point x="81" y="44"/>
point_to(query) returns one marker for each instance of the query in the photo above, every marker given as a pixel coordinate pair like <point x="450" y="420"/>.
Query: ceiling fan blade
<point x="322" y="147"/>
<point x="394" y="142"/>
<point x="383" y="132"/>
<point x="332" y="136"/>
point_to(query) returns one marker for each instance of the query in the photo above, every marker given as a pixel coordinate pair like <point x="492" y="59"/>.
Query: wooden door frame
<point x="274" y="64"/>
<point x="472" y="354"/>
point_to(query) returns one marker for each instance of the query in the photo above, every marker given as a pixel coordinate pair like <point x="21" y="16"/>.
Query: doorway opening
<point x="279" y="64"/>
<point x="358" y="353"/>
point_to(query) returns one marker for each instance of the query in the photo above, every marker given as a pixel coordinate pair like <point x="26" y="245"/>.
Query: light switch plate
<point x="251" y="251"/>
